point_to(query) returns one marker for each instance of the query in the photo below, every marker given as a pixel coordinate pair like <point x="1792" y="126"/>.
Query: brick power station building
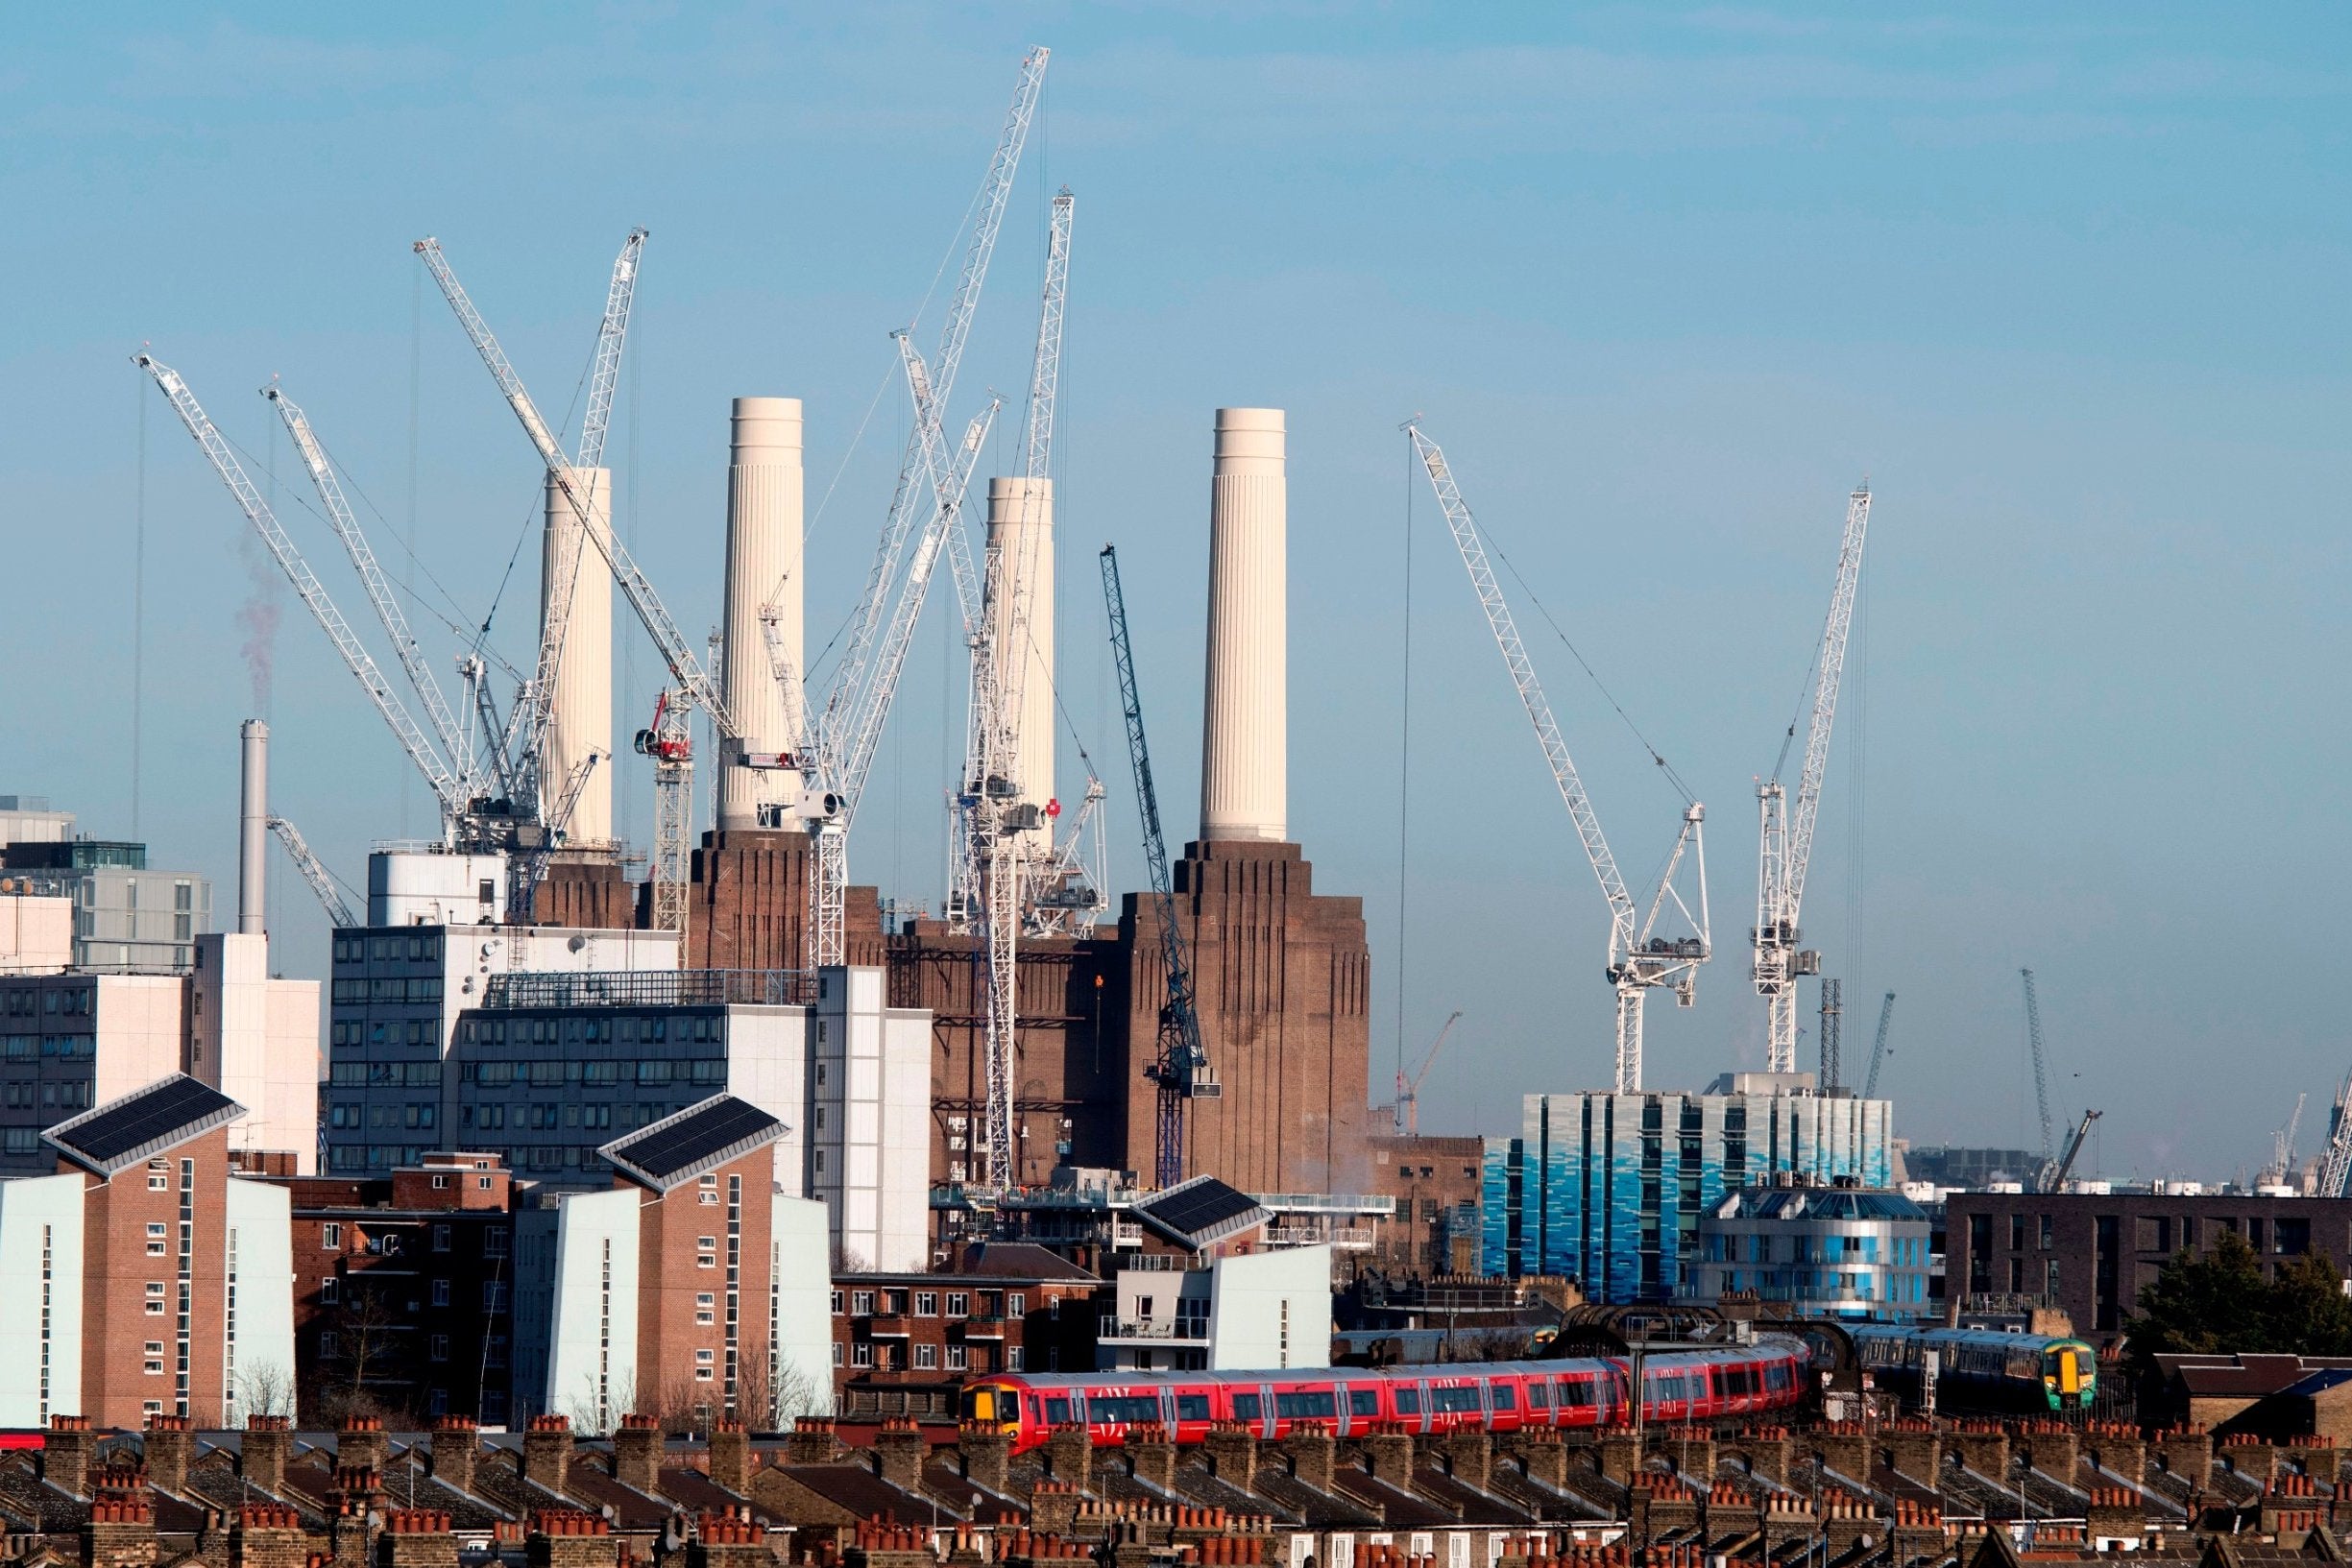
<point x="1282" y="969"/>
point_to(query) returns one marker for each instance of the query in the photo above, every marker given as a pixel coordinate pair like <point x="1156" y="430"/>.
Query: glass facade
<point x="1828" y="1252"/>
<point x="1606" y="1189"/>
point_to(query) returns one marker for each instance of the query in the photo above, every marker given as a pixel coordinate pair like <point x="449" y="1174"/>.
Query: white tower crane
<point x="2281" y="1168"/>
<point x="448" y="789"/>
<point x="454" y="742"/>
<point x="2336" y="1160"/>
<point x="315" y="872"/>
<point x="669" y="741"/>
<point x="1786" y="839"/>
<point x="930" y="488"/>
<point x="1639" y="959"/>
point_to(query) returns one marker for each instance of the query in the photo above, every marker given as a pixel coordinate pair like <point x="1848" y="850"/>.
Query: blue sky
<point x="2068" y="287"/>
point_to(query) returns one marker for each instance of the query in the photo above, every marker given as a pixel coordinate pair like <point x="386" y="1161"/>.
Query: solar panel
<point x="1199" y="1206"/>
<point x="697" y="1135"/>
<point x="112" y="1132"/>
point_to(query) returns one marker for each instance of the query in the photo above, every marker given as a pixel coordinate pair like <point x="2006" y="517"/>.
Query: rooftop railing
<point x="651" y="988"/>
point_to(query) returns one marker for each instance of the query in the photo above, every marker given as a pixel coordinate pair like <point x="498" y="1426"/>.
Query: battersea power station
<point x="1282" y="969"/>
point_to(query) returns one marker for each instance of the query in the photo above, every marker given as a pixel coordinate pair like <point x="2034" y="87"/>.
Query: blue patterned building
<point x="1606" y="1189"/>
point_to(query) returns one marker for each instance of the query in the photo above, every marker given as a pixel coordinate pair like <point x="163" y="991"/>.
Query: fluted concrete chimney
<point x="582" y="721"/>
<point x="1021" y="524"/>
<point x="1244" y="778"/>
<point x="254" y="828"/>
<point x="763" y="539"/>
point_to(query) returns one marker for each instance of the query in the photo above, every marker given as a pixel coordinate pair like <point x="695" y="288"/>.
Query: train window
<point x="1246" y="1408"/>
<point x="1577" y="1395"/>
<point x="1539" y="1395"/>
<point x="1364" y="1402"/>
<point x="1506" y="1397"/>
<point x="1131" y="1410"/>
<point x="1455" y="1401"/>
<point x="1057" y="1411"/>
<point x="1192" y="1407"/>
<point x="1407" y="1399"/>
<point x="1310" y="1405"/>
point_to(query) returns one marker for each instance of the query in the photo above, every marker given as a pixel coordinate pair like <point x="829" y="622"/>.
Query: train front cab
<point x="2070" y="1376"/>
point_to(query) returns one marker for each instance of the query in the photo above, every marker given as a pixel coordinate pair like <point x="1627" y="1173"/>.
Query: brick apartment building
<point x="904" y="1343"/>
<point x="1435" y="1182"/>
<point x="2092" y="1253"/>
<point x="143" y="1278"/>
<point x="402" y="1290"/>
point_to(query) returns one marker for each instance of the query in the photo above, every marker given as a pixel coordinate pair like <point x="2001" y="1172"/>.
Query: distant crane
<point x="1877" y="1052"/>
<point x="2281" y="1168"/>
<point x="1785" y="833"/>
<point x="1409" y="1094"/>
<point x="669" y="741"/>
<point x="1180" y="1064"/>
<point x="1637" y="959"/>
<point x="2041" y="1065"/>
<point x="2051" y="1178"/>
<point x="2336" y="1160"/>
<point x="315" y="872"/>
<point x="1833" y="1014"/>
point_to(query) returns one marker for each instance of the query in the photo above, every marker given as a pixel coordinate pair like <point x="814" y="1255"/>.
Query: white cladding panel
<point x="257" y="1040"/>
<point x="41" y="1299"/>
<point x="767" y="1064"/>
<point x="1270" y="1310"/>
<point x="426" y="887"/>
<point x="142" y="1033"/>
<point x="259" y="1363"/>
<point x="801" y="1310"/>
<point x="592" y="1331"/>
<point x="36" y="935"/>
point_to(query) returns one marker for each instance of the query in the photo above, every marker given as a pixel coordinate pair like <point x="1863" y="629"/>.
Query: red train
<point x="1500" y="1396"/>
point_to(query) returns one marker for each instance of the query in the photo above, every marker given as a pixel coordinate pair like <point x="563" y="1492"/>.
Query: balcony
<point x="1154" y="1331"/>
<point x="888" y="1326"/>
<point x="987" y="1326"/>
<point x="1346" y="1238"/>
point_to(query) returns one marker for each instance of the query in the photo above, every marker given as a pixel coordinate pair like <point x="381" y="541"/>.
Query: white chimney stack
<point x="763" y="575"/>
<point x="581" y="723"/>
<point x="1245" y="781"/>
<point x="254" y="828"/>
<point x="1021" y="525"/>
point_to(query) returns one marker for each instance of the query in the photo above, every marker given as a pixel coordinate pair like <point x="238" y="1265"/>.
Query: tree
<point x="2221" y="1304"/>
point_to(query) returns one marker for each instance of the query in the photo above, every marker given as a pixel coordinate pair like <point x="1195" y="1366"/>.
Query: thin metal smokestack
<point x="1245" y="776"/>
<point x="252" y="828"/>
<point x="764" y="579"/>
<point x="581" y="724"/>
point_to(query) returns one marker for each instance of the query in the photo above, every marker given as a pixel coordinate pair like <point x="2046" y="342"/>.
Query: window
<point x="494" y="1295"/>
<point x="958" y="1358"/>
<point x="836" y="1353"/>
<point x="927" y="1303"/>
<point x="862" y="1354"/>
<point x="1016" y="1304"/>
<point x="493" y="1351"/>
<point x="157" y="1231"/>
<point x="958" y="1304"/>
<point x="330" y="1344"/>
<point x="493" y="1245"/>
<point x="705" y="1252"/>
<point x="441" y="1238"/>
<point x="438" y="1347"/>
<point x="2048" y="1233"/>
<point x="926" y="1358"/>
<point x="862" y="1303"/>
<point x="1015" y="1360"/>
<point x="706" y="1305"/>
<point x="837" y="1303"/>
<point x="157" y="1180"/>
<point x="154" y="1298"/>
<point x="153" y="1406"/>
<point x="440" y="1292"/>
<point x="330" y="1292"/>
<point x="331" y="1237"/>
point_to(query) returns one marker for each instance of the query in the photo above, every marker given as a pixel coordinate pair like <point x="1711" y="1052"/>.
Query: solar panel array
<point x="1200" y="1206"/>
<point x="664" y="1150"/>
<point x="170" y="1105"/>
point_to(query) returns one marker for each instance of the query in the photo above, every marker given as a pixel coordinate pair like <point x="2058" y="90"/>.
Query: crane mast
<point x="388" y="612"/>
<point x="315" y="872"/>
<point x="444" y="784"/>
<point x="2041" y="1065"/>
<point x="1639" y="961"/>
<point x="669" y="742"/>
<point x="2054" y="1171"/>
<point x="1180" y="1063"/>
<point x="1785" y="839"/>
<point x="2336" y="1160"/>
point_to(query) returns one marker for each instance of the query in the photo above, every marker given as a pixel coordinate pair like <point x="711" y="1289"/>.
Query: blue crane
<point x="1179" y="1065"/>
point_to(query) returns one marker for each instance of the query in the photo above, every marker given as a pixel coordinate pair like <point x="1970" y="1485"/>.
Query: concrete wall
<point x="41" y="1299"/>
<point x="257" y="1040"/>
<point x="868" y="1105"/>
<point x="420" y="888"/>
<point x="259" y="1356"/>
<point x="1270" y="1310"/>
<point x="142" y="1032"/>
<point x="36" y="935"/>
<point x="767" y="1065"/>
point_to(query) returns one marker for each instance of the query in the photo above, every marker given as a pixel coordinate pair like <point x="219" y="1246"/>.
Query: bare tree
<point x="265" y="1388"/>
<point x="366" y="1355"/>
